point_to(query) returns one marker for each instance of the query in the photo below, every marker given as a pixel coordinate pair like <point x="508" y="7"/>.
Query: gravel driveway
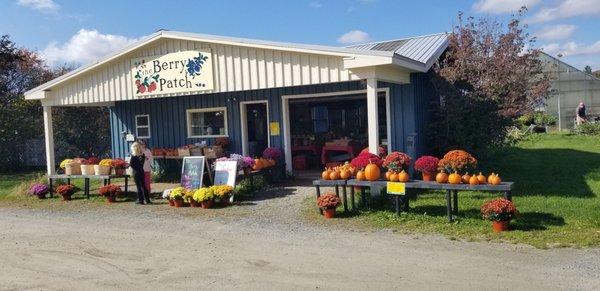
<point x="260" y="245"/>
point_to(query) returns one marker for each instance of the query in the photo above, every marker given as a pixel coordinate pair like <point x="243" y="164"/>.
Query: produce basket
<point x="87" y="169"/>
<point x="73" y="169"/>
<point x="102" y="170"/>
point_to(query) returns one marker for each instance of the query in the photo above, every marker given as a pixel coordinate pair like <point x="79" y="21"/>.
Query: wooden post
<point x="372" y="115"/>
<point x="49" y="139"/>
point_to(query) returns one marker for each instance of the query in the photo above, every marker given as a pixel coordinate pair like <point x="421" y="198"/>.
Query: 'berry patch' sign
<point x="180" y="72"/>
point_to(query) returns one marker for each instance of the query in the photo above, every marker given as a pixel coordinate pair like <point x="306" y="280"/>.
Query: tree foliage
<point x="488" y="76"/>
<point x="21" y="120"/>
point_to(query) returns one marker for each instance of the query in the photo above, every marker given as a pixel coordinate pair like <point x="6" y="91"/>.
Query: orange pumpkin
<point x="403" y="176"/>
<point x="489" y="178"/>
<point x="393" y="177"/>
<point x="326" y="174"/>
<point x="454" y="178"/>
<point x="345" y="174"/>
<point x="473" y="180"/>
<point x="258" y="165"/>
<point x="387" y="175"/>
<point x="372" y="172"/>
<point x="334" y="175"/>
<point x="495" y="180"/>
<point x="481" y="178"/>
<point x="360" y="175"/>
<point x="441" y="177"/>
<point x="465" y="178"/>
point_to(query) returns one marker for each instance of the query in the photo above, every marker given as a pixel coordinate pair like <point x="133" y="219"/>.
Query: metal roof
<point x="422" y="49"/>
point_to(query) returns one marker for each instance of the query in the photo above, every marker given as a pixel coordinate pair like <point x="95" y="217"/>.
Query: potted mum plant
<point x="103" y="167"/>
<point x="222" y="193"/>
<point x="205" y="197"/>
<point x="397" y="162"/>
<point x="39" y="190"/>
<point x="367" y="166"/>
<point x="119" y="165"/>
<point x="500" y="211"/>
<point x="247" y="164"/>
<point x="272" y="155"/>
<point x="457" y="161"/>
<point x="66" y="191"/>
<point x="110" y="192"/>
<point x="177" y="195"/>
<point x="328" y="203"/>
<point x="428" y="166"/>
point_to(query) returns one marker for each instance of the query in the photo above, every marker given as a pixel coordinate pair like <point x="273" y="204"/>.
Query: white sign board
<point x="179" y="72"/>
<point x="225" y="173"/>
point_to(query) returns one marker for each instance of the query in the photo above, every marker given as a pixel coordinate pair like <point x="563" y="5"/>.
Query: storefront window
<point x="209" y="122"/>
<point x="142" y="126"/>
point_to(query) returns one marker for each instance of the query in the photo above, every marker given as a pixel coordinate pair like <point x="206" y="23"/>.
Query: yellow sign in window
<point x="396" y="188"/>
<point x="274" y="128"/>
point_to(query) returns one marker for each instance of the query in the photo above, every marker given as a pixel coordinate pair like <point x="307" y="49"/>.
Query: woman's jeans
<point x="140" y="184"/>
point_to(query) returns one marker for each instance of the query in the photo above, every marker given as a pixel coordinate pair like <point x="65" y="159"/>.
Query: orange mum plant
<point x="457" y="161"/>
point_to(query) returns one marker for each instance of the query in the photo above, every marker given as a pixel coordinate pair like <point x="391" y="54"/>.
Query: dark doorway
<point x="257" y="125"/>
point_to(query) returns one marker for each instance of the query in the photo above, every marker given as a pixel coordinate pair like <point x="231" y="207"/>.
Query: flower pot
<point x="66" y="197"/>
<point x="500" y="226"/>
<point x="111" y="199"/>
<point x="225" y="201"/>
<point x="73" y="169"/>
<point x="41" y="196"/>
<point x="329" y="212"/>
<point x="119" y="172"/>
<point x="101" y="170"/>
<point x="194" y="203"/>
<point x="428" y="176"/>
<point x="87" y="170"/>
<point x="171" y="202"/>
<point x="206" y="204"/>
<point x="178" y="202"/>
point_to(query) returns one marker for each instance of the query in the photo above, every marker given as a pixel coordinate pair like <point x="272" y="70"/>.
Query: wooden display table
<point x="402" y="201"/>
<point x="86" y="185"/>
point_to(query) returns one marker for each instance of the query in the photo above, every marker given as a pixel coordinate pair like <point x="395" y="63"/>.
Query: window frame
<point x="142" y="126"/>
<point x="188" y="113"/>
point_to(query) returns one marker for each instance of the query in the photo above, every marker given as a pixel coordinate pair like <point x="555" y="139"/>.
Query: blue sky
<point x="69" y="31"/>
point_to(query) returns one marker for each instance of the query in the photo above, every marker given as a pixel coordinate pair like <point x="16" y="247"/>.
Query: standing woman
<point x="147" y="165"/>
<point x="137" y="166"/>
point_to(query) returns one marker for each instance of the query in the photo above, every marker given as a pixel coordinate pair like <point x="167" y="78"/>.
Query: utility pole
<point x="559" y="93"/>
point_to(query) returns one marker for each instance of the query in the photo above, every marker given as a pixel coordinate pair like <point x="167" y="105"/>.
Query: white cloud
<point x="571" y="49"/>
<point x="353" y="37"/>
<point x="502" y="6"/>
<point x="315" y="4"/>
<point x="567" y="9"/>
<point x="46" y="6"/>
<point x="85" y="46"/>
<point x="556" y="32"/>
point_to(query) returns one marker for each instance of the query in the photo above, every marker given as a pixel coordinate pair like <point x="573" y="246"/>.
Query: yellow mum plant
<point x="64" y="163"/>
<point x="179" y="193"/>
<point x="106" y="162"/>
<point x="222" y="191"/>
<point x="204" y="194"/>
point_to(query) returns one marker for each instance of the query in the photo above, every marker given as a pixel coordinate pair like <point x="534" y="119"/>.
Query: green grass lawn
<point x="557" y="191"/>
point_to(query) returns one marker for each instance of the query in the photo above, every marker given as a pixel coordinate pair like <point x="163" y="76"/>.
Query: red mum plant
<point x="457" y="161"/>
<point x="119" y="164"/>
<point x="110" y="190"/>
<point x="397" y="161"/>
<point x="427" y="164"/>
<point x="499" y="210"/>
<point x="224" y="142"/>
<point x="328" y="201"/>
<point x="380" y="151"/>
<point x="272" y="153"/>
<point x="364" y="159"/>
<point x="66" y="191"/>
<point x="92" y="161"/>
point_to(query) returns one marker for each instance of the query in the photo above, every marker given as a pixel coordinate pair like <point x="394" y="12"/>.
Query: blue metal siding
<point x="409" y="111"/>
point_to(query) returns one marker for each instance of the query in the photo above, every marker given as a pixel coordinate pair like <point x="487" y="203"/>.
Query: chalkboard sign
<point x="192" y="172"/>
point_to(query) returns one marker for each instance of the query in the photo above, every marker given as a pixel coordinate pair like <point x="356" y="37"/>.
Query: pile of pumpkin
<point x="262" y="163"/>
<point x="456" y="178"/>
<point x="342" y="172"/>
